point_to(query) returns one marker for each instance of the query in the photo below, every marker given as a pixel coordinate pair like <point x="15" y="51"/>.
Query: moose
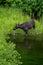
<point x="25" y="26"/>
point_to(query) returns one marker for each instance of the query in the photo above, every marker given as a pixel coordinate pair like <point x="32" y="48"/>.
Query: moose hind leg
<point x="33" y="26"/>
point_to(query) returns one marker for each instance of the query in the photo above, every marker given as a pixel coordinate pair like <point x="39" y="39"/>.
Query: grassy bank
<point x="9" y="17"/>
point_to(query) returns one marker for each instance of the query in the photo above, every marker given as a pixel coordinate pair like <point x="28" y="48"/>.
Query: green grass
<point x="10" y="17"/>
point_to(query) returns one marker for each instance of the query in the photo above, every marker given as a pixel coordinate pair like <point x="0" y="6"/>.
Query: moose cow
<point x="25" y="26"/>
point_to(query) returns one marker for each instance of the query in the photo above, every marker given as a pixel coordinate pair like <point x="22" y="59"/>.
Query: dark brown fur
<point x="25" y="26"/>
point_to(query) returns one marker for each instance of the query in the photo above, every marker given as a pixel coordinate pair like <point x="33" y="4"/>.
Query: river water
<point x="31" y="51"/>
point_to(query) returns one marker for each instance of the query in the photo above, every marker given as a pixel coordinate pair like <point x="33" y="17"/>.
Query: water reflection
<point x="31" y="50"/>
<point x="25" y="41"/>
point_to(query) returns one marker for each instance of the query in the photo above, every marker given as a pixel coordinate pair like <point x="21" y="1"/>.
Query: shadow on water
<point x="31" y="50"/>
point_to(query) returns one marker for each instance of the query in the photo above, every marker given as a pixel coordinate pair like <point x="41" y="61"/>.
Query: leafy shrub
<point x="6" y="2"/>
<point x="8" y="54"/>
<point x="34" y="8"/>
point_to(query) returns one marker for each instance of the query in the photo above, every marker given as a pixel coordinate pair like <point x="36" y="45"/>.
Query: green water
<point x="32" y="53"/>
<point x="29" y="58"/>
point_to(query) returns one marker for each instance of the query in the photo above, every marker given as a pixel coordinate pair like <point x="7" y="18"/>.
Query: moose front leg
<point x="26" y="39"/>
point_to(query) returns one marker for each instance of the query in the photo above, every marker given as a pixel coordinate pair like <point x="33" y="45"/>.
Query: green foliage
<point x="9" y="0"/>
<point x="8" y="54"/>
<point x="11" y="17"/>
<point x="6" y="1"/>
<point x="34" y="8"/>
<point x="8" y="19"/>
